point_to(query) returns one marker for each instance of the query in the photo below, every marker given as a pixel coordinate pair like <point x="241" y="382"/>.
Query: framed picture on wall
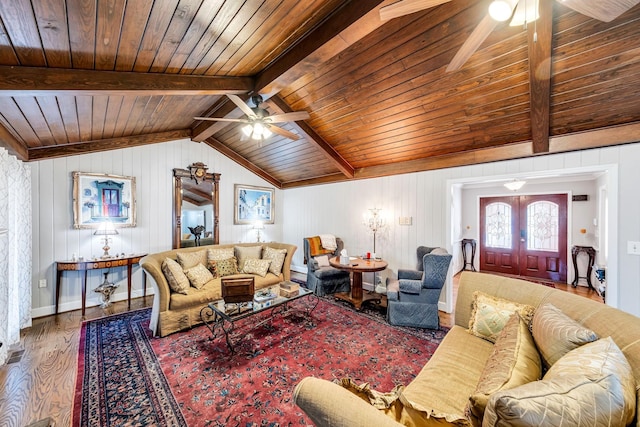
<point x="98" y="198"/>
<point x="253" y="204"/>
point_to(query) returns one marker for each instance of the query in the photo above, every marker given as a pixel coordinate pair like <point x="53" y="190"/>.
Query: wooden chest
<point x="237" y="289"/>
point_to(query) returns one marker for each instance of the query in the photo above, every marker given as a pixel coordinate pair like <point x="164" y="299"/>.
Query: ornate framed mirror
<point x="195" y="207"/>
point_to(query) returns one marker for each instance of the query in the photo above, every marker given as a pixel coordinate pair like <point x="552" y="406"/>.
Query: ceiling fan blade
<point x="603" y="10"/>
<point x="241" y="105"/>
<point x="472" y="44"/>
<point x="222" y="119"/>
<point x="283" y="132"/>
<point x="288" y="117"/>
<point x="405" y="7"/>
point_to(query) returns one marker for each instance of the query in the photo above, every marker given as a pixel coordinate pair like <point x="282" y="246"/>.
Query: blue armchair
<point x="413" y="298"/>
<point x="326" y="280"/>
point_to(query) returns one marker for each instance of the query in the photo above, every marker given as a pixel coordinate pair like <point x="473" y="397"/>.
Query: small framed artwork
<point x="98" y="198"/>
<point x="252" y="204"/>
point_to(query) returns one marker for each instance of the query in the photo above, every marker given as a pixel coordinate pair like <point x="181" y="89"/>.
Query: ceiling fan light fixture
<point x="247" y="130"/>
<point x="501" y="10"/>
<point x="526" y="12"/>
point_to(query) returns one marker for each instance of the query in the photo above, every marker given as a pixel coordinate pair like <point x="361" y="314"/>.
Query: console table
<point x="464" y="243"/>
<point x="591" y="252"/>
<point x="86" y="265"/>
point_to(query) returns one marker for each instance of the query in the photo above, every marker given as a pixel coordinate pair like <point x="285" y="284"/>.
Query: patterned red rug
<point x="126" y="377"/>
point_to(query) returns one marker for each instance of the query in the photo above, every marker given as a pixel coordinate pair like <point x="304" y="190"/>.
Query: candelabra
<point x="375" y="222"/>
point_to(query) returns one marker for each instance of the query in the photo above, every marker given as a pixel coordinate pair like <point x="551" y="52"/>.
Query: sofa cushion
<point x="256" y="266"/>
<point x="442" y="388"/>
<point x="556" y="334"/>
<point x="489" y="314"/>
<point x="514" y="361"/>
<point x="178" y="281"/>
<point x="198" y="275"/>
<point x="227" y="267"/>
<point x="217" y="254"/>
<point x="276" y="256"/>
<point x="243" y="253"/>
<point x="592" y="385"/>
<point x="191" y="259"/>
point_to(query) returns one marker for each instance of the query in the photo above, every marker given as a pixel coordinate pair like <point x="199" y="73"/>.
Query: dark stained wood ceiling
<point x="80" y="76"/>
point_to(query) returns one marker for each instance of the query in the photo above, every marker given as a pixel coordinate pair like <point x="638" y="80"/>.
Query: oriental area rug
<point x="126" y="377"/>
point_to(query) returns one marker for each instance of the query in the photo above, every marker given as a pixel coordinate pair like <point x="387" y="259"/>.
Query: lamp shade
<point x="106" y="229"/>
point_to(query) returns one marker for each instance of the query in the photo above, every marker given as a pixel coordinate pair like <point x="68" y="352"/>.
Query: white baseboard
<point x="77" y="305"/>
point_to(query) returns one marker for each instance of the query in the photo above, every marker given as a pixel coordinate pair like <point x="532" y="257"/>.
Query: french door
<point x="524" y="236"/>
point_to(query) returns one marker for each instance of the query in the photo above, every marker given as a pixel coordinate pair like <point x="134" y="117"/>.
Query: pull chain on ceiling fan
<point x="501" y="10"/>
<point x="259" y="125"/>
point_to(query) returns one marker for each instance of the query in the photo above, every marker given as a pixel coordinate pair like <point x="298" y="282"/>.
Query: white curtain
<point x="15" y="250"/>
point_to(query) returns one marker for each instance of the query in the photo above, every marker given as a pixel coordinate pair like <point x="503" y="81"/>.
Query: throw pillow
<point x="198" y="276"/>
<point x="178" y="281"/>
<point x="514" y="361"/>
<point x="217" y="254"/>
<point x="595" y="387"/>
<point x="489" y="314"/>
<point x="315" y="246"/>
<point x="243" y="253"/>
<point x="227" y="267"/>
<point x="256" y="266"/>
<point x="323" y="261"/>
<point x="439" y="251"/>
<point x="276" y="256"/>
<point x="212" y="266"/>
<point x="556" y="334"/>
<point x="191" y="259"/>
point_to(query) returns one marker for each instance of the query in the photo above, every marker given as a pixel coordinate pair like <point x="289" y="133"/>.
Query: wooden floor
<point x="41" y="384"/>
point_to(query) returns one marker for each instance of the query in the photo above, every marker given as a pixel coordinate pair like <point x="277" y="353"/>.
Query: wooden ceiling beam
<point x="281" y="107"/>
<point x="540" y="36"/>
<point x="13" y="146"/>
<point x="354" y="20"/>
<point x="36" y="81"/>
<point x="223" y="149"/>
<point x="52" y="151"/>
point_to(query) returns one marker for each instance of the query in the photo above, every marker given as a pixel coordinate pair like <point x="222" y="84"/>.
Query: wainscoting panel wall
<point x="339" y="208"/>
<point x="55" y="239"/>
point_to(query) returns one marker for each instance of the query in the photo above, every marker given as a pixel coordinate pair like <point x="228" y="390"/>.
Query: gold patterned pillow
<point x="217" y="254"/>
<point x="243" y="253"/>
<point x="191" y="259"/>
<point x="556" y="334"/>
<point x="592" y="385"/>
<point x="178" y="281"/>
<point x="198" y="276"/>
<point x="256" y="266"/>
<point x="227" y="267"/>
<point x="489" y="314"/>
<point x="514" y="361"/>
<point x="276" y="256"/>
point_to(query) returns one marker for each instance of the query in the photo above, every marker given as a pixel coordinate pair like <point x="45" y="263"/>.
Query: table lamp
<point x="258" y="225"/>
<point x="106" y="229"/>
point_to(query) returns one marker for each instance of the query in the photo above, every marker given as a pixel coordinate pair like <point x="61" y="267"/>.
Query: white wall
<point x="332" y="208"/>
<point x="338" y="209"/>
<point x="55" y="239"/>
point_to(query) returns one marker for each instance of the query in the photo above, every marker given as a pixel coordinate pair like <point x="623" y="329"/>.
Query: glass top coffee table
<point x="222" y="318"/>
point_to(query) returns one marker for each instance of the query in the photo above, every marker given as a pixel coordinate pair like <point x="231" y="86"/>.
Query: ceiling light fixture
<point x="257" y="131"/>
<point x="515" y="185"/>
<point x="501" y="10"/>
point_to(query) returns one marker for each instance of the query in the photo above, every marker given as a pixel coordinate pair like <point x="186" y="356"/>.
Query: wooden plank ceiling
<point x="82" y="76"/>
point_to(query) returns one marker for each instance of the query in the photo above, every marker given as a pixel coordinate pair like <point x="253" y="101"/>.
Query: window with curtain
<point x="15" y="250"/>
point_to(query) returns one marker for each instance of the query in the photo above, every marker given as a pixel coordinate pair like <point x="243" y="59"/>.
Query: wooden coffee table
<point x="358" y="266"/>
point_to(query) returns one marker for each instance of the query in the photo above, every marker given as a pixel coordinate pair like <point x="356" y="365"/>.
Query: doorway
<point x="525" y="236"/>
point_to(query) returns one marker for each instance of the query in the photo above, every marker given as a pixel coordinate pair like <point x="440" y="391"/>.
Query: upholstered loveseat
<point x="440" y="393"/>
<point x="173" y="311"/>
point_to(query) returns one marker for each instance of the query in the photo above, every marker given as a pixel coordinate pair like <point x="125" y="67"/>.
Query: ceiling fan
<point x="259" y="125"/>
<point x="501" y="10"/>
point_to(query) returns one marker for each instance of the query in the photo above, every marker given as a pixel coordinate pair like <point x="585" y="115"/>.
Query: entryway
<point x="525" y="236"/>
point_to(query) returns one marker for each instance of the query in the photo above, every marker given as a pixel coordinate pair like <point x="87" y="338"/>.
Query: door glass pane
<point x="542" y="226"/>
<point x="498" y="225"/>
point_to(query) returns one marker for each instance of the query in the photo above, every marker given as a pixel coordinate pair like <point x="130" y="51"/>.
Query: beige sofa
<point x="452" y="374"/>
<point x="172" y="312"/>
